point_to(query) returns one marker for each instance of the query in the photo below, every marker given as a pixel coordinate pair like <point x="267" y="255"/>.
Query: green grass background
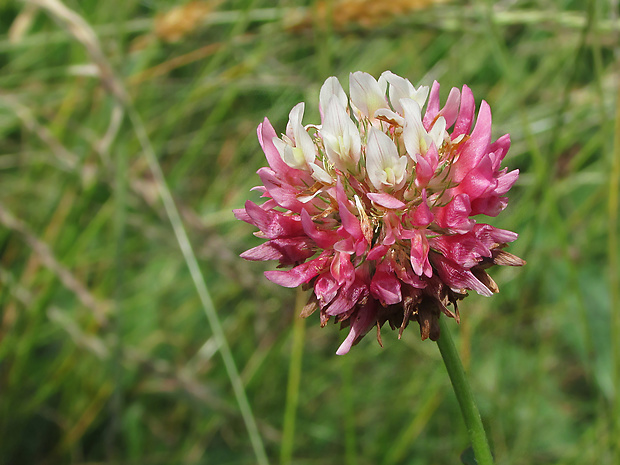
<point x="108" y="355"/>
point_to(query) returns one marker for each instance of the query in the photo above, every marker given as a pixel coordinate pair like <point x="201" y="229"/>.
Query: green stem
<point x="451" y="359"/>
<point x="614" y="275"/>
<point x="294" y="378"/>
<point x="350" y="438"/>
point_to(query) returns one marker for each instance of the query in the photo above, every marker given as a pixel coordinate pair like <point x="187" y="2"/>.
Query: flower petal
<point x="385" y="200"/>
<point x="326" y="288"/>
<point x="457" y="277"/>
<point x="476" y="146"/>
<point x="432" y="109"/>
<point x="364" y="320"/>
<point x="288" y="251"/>
<point x="366" y="94"/>
<point x="300" y="274"/>
<point x="386" y="169"/>
<point x="273" y="223"/>
<point x="331" y="88"/>
<point x="323" y="238"/>
<point x="266" y="133"/>
<point x="419" y="254"/>
<point x="341" y="137"/>
<point x="401" y="88"/>
<point x="466" y="113"/>
<point x="455" y="215"/>
<point x="385" y="287"/>
<point x="450" y="110"/>
<point x="422" y="215"/>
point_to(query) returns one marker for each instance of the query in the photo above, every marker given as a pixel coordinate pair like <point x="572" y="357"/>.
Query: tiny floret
<point x="373" y="209"/>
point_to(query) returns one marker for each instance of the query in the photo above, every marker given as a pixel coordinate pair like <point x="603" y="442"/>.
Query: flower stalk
<point x="464" y="395"/>
<point x="294" y="379"/>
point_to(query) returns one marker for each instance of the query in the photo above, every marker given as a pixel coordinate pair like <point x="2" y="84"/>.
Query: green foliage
<point x="105" y="352"/>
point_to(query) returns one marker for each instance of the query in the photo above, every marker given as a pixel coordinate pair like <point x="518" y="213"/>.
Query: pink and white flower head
<point x="374" y="208"/>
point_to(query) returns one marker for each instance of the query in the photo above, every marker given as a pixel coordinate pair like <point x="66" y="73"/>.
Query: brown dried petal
<point x="428" y="317"/>
<point x="445" y="310"/>
<point x="310" y="307"/>
<point x="379" y="335"/>
<point x="410" y="303"/>
<point x="485" y="279"/>
<point x="505" y="258"/>
<point x="324" y="317"/>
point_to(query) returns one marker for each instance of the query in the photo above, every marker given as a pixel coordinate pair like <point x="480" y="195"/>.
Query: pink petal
<point x="300" y="274"/>
<point x="342" y="269"/>
<point x="347" y="298"/>
<point x="392" y="228"/>
<point x="326" y="288"/>
<point x="464" y="249"/>
<point x="422" y="215"/>
<point x="426" y="166"/>
<point x="451" y="109"/>
<point x="364" y="320"/>
<point x="283" y="194"/>
<point x="273" y="223"/>
<point x="287" y="251"/>
<point x="324" y="239"/>
<point x="260" y="189"/>
<point x="466" y="113"/>
<point x="378" y="252"/>
<point x="500" y="148"/>
<point x="457" y="277"/>
<point x="346" y="245"/>
<point x="408" y="233"/>
<point x="506" y="181"/>
<point x="479" y="181"/>
<point x="350" y="222"/>
<point x="385" y="200"/>
<point x="242" y="215"/>
<point x="455" y="215"/>
<point x="385" y="287"/>
<point x="489" y="206"/>
<point x="432" y="109"/>
<point x="419" y="255"/>
<point x="491" y="236"/>
<point x="266" y="133"/>
<point x="476" y="146"/>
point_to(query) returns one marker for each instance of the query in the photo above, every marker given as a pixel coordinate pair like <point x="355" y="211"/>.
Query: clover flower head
<point x="374" y="208"/>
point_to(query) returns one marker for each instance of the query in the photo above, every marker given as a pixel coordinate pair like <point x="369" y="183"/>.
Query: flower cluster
<point x="374" y="208"/>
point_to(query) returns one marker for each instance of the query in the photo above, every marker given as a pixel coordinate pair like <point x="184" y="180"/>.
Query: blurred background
<point x="112" y="351"/>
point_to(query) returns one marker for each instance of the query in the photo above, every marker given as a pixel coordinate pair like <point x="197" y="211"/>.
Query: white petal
<point x="385" y="114"/>
<point x="414" y="134"/>
<point x="292" y="158"/>
<point x="402" y="88"/>
<point x="438" y="132"/>
<point x="320" y="174"/>
<point x="420" y="95"/>
<point x="366" y="94"/>
<point x="305" y="143"/>
<point x="399" y="88"/>
<point x="294" y="119"/>
<point x="401" y="171"/>
<point x="332" y="88"/>
<point x="299" y="135"/>
<point x="385" y="168"/>
<point x="341" y="137"/>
